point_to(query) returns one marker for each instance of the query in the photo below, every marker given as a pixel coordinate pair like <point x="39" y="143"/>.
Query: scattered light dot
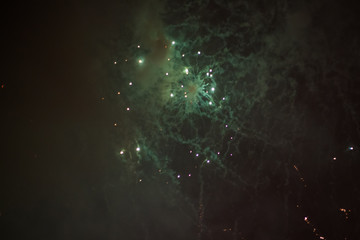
<point x="185" y="96"/>
<point x="199" y="52"/>
<point x="189" y="175"/>
<point x="173" y="42"/>
<point x="118" y="93"/>
<point x="226" y="125"/>
<point x="102" y="98"/>
<point x="115" y="62"/>
<point x="115" y="124"/>
<point x="190" y="151"/>
<point x="334" y="158"/>
<point x="210" y="103"/>
<point x="171" y="95"/>
<point x="186" y="71"/>
<point x="126" y="60"/>
<point x="178" y="176"/>
<point x="183" y="55"/>
<point x="210" y="70"/>
<point x="140" y="180"/>
<point x="182" y="86"/>
<point x="159" y="170"/>
<point x="168" y="59"/>
<point x="127" y="109"/>
<point x="230" y="154"/>
<point x="138" y="149"/>
<point x="207" y="74"/>
<point x="210" y="75"/>
<point x="218" y="153"/>
<point x="138" y="46"/>
<point x="207" y="161"/>
<point x="166" y="74"/>
<point x="121" y="152"/>
<point x="2" y="85"/>
<point x="223" y="98"/>
<point x="140" y="60"/>
<point x="351" y="148"/>
<point x="213" y="89"/>
<point x="130" y="83"/>
<point x="197" y="155"/>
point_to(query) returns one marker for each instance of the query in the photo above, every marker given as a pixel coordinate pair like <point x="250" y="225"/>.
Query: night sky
<point x="169" y="119"/>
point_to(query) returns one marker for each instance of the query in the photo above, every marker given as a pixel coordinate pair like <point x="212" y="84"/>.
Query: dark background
<point x="60" y="178"/>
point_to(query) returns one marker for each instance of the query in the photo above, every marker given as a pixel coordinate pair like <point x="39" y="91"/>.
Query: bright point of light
<point x="186" y="71"/>
<point x="207" y="74"/>
<point x="223" y="98"/>
<point x="138" y="46"/>
<point x="140" y="180"/>
<point x="189" y="175"/>
<point x="207" y="161"/>
<point x="168" y="59"/>
<point x="226" y="125"/>
<point x="127" y="109"/>
<point x="210" y="70"/>
<point x="182" y="86"/>
<point x="197" y="155"/>
<point x="185" y="96"/>
<point x="121" y="152"/>
<point x="351" y="148"/>
<point x="171" y="95"/>
<point x="138" y="149"/>
<point x="173" y="42"/>
<point x="183" y="55"/>
<point x="140" y="61"/>
<point x="130" y="83"/>
<point x="334" y="158"/>
<point x="218" y="153"/>
<point x="199" y="52"/>
<point x="210" y="75"/>
<point x="213" y="89"/>
<point x="178" y="176"/>
<point x="210" y="103"/>
<point x="166" y="74"/>
<point x="115" y="62"/>
<point x="118" y="93"/>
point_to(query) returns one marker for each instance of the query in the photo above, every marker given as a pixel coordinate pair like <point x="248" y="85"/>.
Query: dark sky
<point x="285" y="104"/>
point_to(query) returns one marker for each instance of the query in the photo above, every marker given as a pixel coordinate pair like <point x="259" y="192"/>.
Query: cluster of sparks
<point x="190" y="93"/>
